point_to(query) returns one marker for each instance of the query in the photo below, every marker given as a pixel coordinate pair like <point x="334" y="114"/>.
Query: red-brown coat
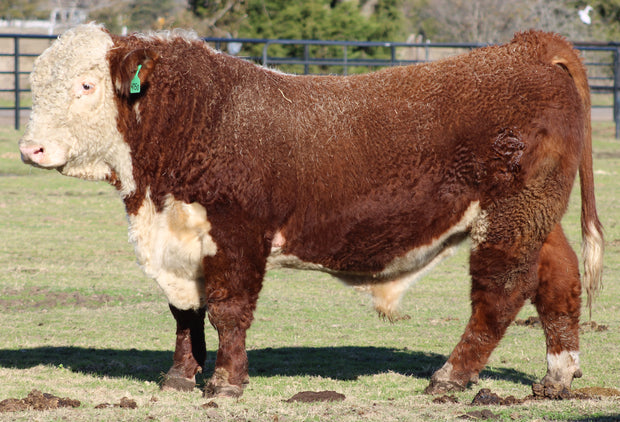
<point x="227" y="169"/>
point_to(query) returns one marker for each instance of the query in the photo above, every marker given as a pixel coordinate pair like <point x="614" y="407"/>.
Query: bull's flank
<point x="228" y="169"/>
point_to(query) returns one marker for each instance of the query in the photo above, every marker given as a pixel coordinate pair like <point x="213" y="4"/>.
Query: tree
<point x="217" y="17"/>
<point x="320" y="20"/>
<point x="605" y="18"/>
<point x="490" y="21"/>
<point x="150" y="14"/>
<point x="23" y="9"/>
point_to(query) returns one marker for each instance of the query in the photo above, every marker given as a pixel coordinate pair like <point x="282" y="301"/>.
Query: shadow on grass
<point x="341" y="363"/>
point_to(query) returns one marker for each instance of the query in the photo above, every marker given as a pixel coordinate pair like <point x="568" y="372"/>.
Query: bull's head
<point x="73" y="123"/>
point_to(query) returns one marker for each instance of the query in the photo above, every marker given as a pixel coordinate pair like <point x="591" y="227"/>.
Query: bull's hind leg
<point x="190" y="351"/>
<point x="503" y="267"/>
<point x="558" y="302"/>
<point x="499" y="288"/>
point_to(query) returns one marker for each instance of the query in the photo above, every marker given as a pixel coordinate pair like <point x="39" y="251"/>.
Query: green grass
<point x="79" y="319"/>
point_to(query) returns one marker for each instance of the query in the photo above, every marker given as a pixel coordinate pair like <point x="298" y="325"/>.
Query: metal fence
<point x="18" y="51"/>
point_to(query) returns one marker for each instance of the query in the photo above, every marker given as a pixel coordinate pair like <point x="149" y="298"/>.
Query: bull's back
<point x="389" y="162"/>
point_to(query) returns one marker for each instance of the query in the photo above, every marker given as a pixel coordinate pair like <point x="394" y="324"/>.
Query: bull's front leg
<point x="190" y="350"/>
<point x="231" y="291"/>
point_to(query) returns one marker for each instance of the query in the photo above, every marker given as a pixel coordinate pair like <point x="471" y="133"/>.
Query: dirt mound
<point x="37" y="400"/>
<point x="478" y="415"/>
<point x="487" y="397"/>
<point x="125" y="403"/>
<point x="445" y="399"/>
<point x="530" y="322"/>
<point x="544" y="392"/>
<point x="593" y="326"/>
<point x="534" y="322"/>
<point x="316" y="396"/>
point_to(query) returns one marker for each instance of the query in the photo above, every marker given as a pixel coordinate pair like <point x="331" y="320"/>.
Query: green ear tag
<point x="134" y="88"/>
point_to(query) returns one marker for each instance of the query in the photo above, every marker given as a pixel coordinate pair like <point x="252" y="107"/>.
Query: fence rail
<point x="17" y="53"/>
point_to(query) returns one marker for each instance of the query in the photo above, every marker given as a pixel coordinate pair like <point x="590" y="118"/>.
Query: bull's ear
<point x="132" y="73"/>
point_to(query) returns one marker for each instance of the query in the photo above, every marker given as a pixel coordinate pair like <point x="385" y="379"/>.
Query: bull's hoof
<point x="177" y="383"/>
<point x="443" y="386"/>
<point x="218" y="385"/>
<point x="446" y="379"/>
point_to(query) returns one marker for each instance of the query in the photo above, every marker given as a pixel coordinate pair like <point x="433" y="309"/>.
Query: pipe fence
<point x="18" y="52"/>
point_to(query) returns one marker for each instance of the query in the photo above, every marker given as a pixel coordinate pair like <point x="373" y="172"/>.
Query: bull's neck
<point x="170" y="129"/>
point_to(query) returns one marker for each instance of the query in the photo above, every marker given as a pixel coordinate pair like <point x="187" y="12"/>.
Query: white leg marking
<point x="562" y="368"/>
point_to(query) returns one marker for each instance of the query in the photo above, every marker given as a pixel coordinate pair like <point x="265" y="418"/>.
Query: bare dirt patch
<point x="593" y="326"/>
<point x="601" y="155"/>
<point x="478" y="415"/>
<point x="37" y="400"/>
<point x="445" y="399"/>
<point x="42" y="298"/>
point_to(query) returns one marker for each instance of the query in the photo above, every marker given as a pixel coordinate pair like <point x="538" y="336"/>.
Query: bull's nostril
<point x="34" y="153"/>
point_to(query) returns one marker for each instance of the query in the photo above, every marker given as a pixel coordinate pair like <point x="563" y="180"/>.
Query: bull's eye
<point x="87" y="87"/>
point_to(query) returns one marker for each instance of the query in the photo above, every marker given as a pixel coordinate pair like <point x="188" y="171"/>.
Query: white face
<point x="72" y="126"/>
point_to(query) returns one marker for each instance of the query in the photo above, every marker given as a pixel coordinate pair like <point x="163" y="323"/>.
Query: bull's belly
<point x="416" y="259"/>
<point x="388" y="285"/>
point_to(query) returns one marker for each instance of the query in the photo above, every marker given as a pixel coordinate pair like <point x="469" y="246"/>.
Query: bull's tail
<point x="560" y="52"/>
<point x="593" y="244"/>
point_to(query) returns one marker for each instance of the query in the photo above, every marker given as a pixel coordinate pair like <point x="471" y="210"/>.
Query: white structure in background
<point x="65" y="18"/>
<point x="584" y="15"/>
<point x="233" y="48"/>
<point x="61" y="19"/>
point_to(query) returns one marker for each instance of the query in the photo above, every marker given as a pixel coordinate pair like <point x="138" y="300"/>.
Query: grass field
<point x="78" y="319"/>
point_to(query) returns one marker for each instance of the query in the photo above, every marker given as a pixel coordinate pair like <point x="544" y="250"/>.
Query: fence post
<point x="265" y="54"/>
<point x="617" y="91"/>
<point x="16" y="75"/>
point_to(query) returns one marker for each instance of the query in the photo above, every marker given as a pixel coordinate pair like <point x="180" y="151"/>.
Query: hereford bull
<point x="227" y="169"/>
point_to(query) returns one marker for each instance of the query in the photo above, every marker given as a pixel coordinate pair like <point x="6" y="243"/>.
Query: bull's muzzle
<point x="33" y="154"/>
